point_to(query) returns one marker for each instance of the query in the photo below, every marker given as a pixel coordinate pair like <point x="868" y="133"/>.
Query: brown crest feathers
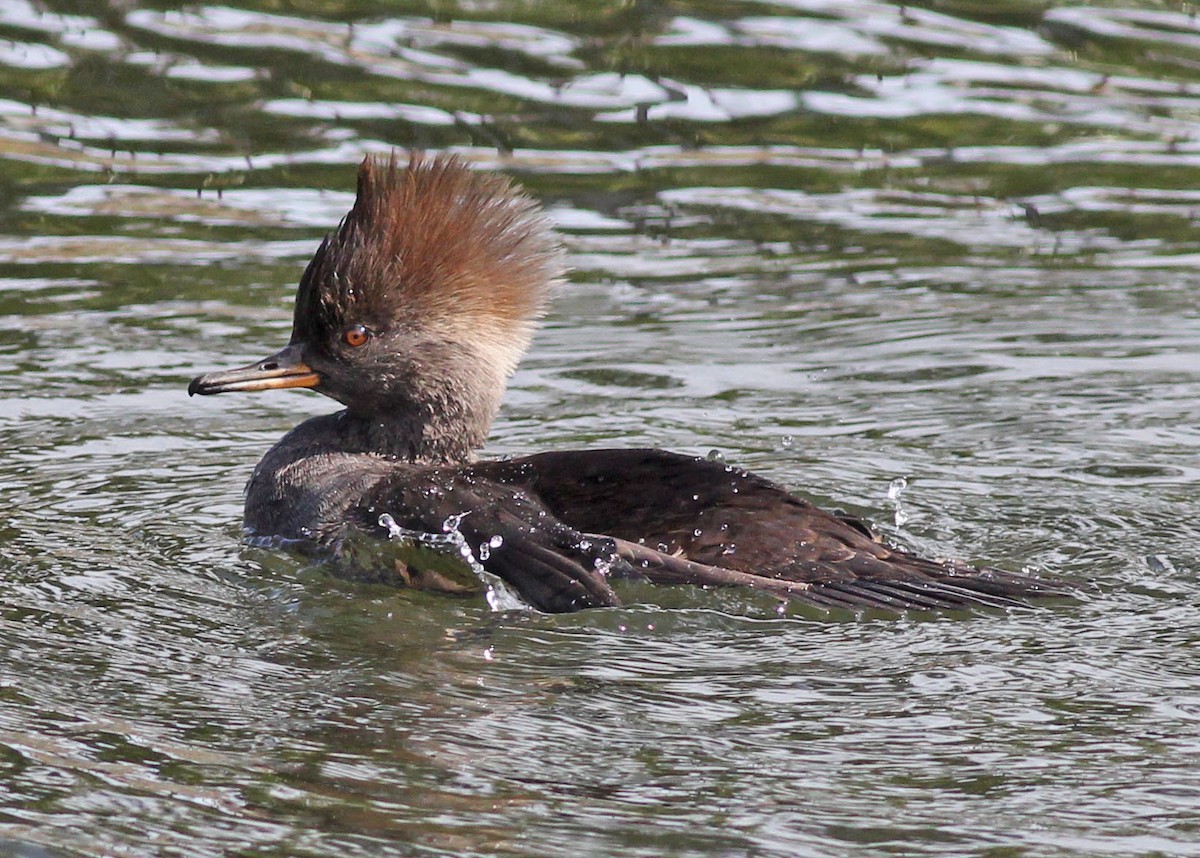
<point x="435" y="242"/>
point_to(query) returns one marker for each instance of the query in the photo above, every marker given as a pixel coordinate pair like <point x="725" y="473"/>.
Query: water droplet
<point x="787" y="440"/>
<point x="895" y="490"/>
<point x="496" y="541"/>
<point x="697" y="532"/>
<point x="716" y="456"/>
<point x="500" y="597"/>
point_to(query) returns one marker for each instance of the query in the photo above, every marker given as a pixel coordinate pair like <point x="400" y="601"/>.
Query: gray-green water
<point x="842" y="243"/>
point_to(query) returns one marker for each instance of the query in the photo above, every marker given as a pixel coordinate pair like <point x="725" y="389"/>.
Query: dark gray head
<point x="417" y="309"/>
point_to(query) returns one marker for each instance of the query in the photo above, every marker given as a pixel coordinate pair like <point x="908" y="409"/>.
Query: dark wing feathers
<point x="549" y="564"/>
<point x="567" y="520"/>
<point x="681" y="519"/>
<point x="660" y="568"/>
<point x="929" y="594"/>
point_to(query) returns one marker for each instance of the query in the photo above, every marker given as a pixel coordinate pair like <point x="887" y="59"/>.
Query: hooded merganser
<point x="413" y="314"/>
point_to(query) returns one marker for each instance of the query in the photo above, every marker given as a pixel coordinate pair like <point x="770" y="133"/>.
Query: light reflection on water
<point x="841" y="243"/>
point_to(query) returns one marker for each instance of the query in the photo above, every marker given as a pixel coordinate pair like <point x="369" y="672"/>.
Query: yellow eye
<point x="356" y="335"/>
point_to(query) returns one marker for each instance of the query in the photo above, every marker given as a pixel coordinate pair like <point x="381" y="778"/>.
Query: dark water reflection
<point x="842" y="243"/>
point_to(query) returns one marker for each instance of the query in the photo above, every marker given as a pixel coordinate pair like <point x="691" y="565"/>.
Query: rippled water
<point x="841" y="243"/>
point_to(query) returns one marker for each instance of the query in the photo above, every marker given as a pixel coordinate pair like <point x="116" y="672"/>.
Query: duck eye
<point x="356" y="335"/>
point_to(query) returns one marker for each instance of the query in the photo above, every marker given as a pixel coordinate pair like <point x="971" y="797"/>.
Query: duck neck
<point x="305" y="484"/>
<point x="443" y="433"/>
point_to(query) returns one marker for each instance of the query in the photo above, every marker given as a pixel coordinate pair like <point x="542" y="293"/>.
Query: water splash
<point x="895" y="491"/>
<point x="500" y="597"/>
<point x="485" y="548"/>
<point x="602" y="563"/>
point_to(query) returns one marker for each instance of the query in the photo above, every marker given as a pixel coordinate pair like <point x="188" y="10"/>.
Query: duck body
<point x="561" y="526"/>
<point x="413" y="314"/>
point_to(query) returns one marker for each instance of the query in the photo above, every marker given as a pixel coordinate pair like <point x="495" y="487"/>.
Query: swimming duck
<point x="412" y="314"/>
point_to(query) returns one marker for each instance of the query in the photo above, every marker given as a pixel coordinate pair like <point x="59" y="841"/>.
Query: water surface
<point x="840" y="243"/>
